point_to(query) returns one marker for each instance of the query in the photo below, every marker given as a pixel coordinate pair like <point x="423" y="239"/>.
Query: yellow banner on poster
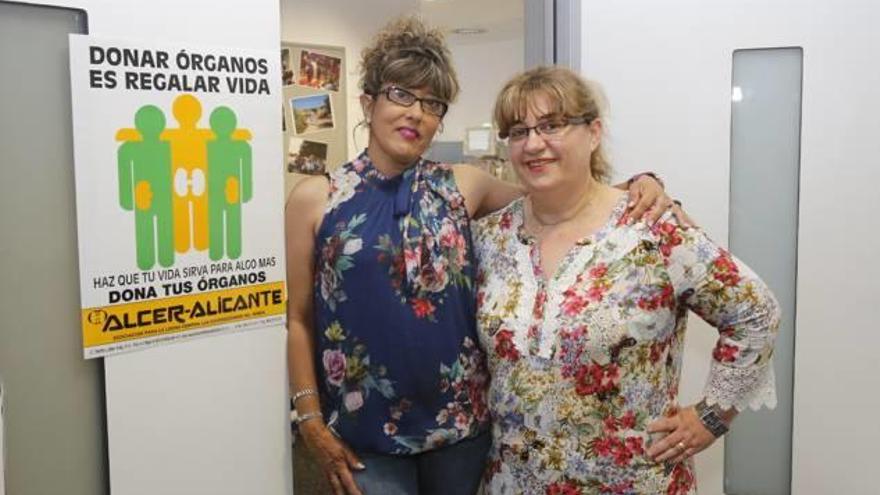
<point x="119" y="323"/>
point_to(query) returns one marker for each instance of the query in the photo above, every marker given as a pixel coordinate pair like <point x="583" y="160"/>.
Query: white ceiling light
<point x="469" y="31"/>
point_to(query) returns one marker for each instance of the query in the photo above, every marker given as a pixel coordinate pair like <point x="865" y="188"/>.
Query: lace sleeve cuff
<point x="752" y="387"/>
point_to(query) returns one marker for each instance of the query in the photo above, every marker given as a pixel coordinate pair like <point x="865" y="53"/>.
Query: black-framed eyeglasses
<point x="550" y="127"/>
<point x="400" y="96"/>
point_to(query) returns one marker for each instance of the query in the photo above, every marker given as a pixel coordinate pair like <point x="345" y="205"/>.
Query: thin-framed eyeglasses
<point x="548" y="128"/>
<point x="405" y="98"/>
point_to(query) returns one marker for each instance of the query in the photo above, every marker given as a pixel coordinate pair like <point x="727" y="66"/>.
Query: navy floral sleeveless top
<point x="399" y="368"/>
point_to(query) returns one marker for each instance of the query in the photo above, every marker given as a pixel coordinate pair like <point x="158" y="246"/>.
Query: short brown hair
<point x="408" y="52"/>
<point x="570" y="95"/>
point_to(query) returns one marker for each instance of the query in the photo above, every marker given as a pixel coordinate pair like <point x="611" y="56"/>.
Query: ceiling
<point x="502" y="19"/>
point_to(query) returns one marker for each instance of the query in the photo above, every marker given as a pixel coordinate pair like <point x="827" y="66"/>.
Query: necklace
<point x="544" y="224"/>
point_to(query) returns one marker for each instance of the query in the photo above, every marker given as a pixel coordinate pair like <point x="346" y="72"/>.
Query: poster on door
<point x="178" y="199"/>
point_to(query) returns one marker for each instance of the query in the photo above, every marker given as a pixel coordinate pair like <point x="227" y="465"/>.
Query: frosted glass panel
<point x="764" y="174"/>
<point x="54" y="414"/>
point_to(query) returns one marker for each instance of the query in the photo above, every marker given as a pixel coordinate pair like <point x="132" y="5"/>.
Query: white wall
<point x="346" y="23"/>
<point x="482" y="69"/>
<point x="666" y="68"/>
<point x="210" y="415"/>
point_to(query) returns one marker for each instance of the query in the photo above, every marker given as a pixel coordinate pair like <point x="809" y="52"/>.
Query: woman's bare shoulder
<point x="307" y="201"/>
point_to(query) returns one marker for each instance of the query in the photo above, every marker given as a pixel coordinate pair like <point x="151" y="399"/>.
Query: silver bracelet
<point x="303" y="393"/>
<point x="302" y="418"/>
<point x="711" y="419"/>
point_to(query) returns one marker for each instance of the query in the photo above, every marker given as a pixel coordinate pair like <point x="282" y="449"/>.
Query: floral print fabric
<point x="398" y="362"/>
<point x="584" y="359"/>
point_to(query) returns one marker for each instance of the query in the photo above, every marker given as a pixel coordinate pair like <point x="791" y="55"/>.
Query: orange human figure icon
<point x="189" y="167"/>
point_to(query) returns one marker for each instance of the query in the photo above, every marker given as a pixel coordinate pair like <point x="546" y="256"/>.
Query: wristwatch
<point x="649" y="174"/>
<point x="711" y="419"/>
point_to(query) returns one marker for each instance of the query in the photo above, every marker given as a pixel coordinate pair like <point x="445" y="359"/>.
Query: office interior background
<point x="747" y="109"/>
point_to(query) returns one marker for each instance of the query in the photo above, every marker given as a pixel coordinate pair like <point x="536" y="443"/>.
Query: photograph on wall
<point x="283" y="119"/>
<point x="286" y="67"/>
<point x="311" y="113"/>
<point x="319" y="71"/>
<point x="306" y="157"/>
<point x="176" y="195"/>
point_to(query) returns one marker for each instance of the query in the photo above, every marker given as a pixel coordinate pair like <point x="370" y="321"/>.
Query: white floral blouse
<point x="584" y="359"/>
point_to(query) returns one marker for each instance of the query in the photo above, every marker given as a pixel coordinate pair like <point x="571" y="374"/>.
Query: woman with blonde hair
<point x="386" y="375"/>
<point x="583" y="316"/>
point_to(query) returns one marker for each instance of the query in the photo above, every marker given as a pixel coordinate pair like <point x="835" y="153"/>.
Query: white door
<point x="667" y="68"/>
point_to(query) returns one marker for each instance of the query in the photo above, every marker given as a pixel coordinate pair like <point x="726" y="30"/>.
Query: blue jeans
<point x="452" y="470"/>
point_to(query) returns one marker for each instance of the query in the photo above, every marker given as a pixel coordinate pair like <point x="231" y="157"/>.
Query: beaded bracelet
<point x="303" y="393"/>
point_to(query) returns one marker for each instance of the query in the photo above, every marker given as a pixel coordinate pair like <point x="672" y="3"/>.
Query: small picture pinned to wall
<point x="311" y="113"/>
<point x="319" y="71"/>
<point x="306" y="157"/>
<point x="283" y="119"/>
<point x="286" y="67"/>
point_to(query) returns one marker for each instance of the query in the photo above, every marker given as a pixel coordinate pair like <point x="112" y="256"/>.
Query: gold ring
<point x="681" y="446"/>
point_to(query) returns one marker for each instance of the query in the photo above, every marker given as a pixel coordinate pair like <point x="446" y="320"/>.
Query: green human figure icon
<point x="144" y="164"/>
<point x="229" y="183"/>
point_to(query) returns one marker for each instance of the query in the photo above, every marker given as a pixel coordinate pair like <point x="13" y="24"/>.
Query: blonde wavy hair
<point x="569" y="95"/>
<point x="410" y="53"/>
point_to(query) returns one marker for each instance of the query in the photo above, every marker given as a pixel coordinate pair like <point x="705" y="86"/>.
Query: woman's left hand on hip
<point x="684" y="436"/>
